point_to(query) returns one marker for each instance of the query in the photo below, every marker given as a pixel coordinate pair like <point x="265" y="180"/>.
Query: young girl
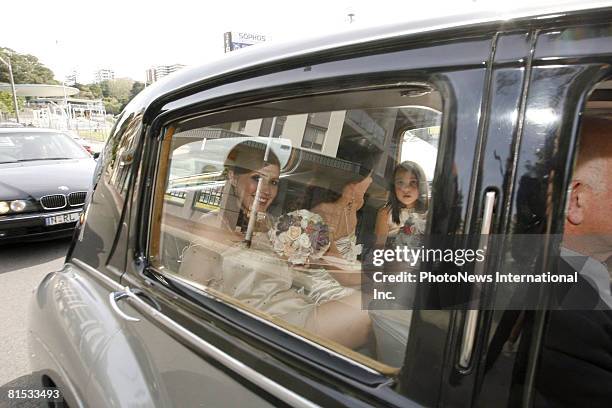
<point x="404" y="215"/>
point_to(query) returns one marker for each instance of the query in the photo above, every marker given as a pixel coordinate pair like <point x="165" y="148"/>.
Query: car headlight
<point x="18" y="205"/>
<point x="4" y="207"/>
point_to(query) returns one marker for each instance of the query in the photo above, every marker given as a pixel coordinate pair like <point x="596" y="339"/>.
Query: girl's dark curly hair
<point x="422" y="203"/>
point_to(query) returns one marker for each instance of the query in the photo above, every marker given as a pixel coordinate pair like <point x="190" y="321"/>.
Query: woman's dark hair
<point x="330" y="181"/>
<point x="245" y="157"/>
<point x="248" y="156"/>
<point x="422" y="203"/>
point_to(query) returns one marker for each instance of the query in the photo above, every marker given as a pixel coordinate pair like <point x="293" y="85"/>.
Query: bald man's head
<point x="595" y="151"/>
<point x="589" y="214"/>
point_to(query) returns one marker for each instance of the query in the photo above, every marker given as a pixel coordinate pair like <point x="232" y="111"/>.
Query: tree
<point x="89" y="91"/>
<point x="85" y="91"/>
<point x="26" y="69"/>
<point x="6" y="102"/>
<point x="136" y="88"/>
<point x="118" y="88"/>
<point x="105" y="89"/>
<point x="96" y="90"/>
<point x="115" y="93"/>
<point x="112" y="105"/>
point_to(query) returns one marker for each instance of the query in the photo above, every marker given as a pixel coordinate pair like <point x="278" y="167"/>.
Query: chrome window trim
<point x="213" y="352"/>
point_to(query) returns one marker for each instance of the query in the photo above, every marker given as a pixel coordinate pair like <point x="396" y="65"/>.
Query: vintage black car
<point x="235" y="205"/>
<point x="44" y="179"/>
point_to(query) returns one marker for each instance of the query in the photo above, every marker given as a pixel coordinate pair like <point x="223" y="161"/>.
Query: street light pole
<point x="10" y="68"/>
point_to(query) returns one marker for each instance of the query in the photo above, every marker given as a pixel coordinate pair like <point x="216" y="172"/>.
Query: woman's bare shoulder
<point x="323" y="209"/>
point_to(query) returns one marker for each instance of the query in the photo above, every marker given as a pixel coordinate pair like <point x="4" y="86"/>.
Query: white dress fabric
<point x="323" y="286"/>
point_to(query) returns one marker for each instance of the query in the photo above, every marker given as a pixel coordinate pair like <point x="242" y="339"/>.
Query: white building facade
<point x="72" y="78"/>
<point x="103" y="75"/>
<point x="157" y="72"/>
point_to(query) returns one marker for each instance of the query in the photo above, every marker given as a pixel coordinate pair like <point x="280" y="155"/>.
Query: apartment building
<point x="157" y="72"/>
<point x="103" y="75"/>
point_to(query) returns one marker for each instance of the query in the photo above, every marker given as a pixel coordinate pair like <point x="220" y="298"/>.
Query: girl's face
<point x="406" y="188"/>
<point x="246" y="186"/>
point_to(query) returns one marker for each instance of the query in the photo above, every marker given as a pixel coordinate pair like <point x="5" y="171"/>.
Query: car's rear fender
<point x="70" y="324"/>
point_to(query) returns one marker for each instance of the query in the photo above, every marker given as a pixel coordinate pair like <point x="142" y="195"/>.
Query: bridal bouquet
<point x="300" y="236"/>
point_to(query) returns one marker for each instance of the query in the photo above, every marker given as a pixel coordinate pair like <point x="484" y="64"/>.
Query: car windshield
<point x="32" y="146"/>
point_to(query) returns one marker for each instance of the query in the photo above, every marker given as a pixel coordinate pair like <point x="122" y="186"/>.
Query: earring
<point x="350" y="203"/>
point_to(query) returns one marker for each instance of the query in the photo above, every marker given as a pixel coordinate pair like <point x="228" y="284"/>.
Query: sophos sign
<point x="248" y="38"/>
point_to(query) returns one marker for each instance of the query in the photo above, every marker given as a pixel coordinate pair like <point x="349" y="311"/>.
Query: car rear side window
<point x="118" y="154"/>
<point x="273" y="208"/>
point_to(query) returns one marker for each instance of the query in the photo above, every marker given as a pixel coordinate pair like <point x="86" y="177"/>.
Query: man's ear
<point x="576" y="209"/>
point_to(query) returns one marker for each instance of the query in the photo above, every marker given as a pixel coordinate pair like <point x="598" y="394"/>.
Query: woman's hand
<point x="382" y="227"/>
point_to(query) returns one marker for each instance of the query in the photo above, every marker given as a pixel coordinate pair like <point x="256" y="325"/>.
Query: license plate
<point x="62" y="219"/>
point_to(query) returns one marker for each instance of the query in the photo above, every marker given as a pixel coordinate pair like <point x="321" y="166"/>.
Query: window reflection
<point x="278" y="213"/>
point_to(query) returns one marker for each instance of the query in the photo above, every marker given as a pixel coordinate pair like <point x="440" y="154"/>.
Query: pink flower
<point x="408" y="229"/>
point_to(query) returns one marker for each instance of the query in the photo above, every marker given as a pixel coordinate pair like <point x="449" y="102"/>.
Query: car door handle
<point x="114" y="297"/>
<point x="471" y="316"/>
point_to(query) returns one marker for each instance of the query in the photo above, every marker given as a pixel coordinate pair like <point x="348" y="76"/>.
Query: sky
<point x="130" y="36"/>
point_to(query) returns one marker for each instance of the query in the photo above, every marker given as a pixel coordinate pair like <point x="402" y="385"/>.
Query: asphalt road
<point x="22" y="267"/>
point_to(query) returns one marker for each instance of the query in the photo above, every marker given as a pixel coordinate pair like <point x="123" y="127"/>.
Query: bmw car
<point x="44" y="179"/>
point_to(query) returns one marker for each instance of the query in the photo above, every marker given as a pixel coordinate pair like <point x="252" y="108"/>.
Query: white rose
<point x="305" y="241"/>
<point x="294" y="232"/>
<point x="283" y="237"/>
<point x="304" y="223"/>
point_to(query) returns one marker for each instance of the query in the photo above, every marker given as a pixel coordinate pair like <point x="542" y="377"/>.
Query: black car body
<point x="52" y="188"/>
<point x="502" y="96"/>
